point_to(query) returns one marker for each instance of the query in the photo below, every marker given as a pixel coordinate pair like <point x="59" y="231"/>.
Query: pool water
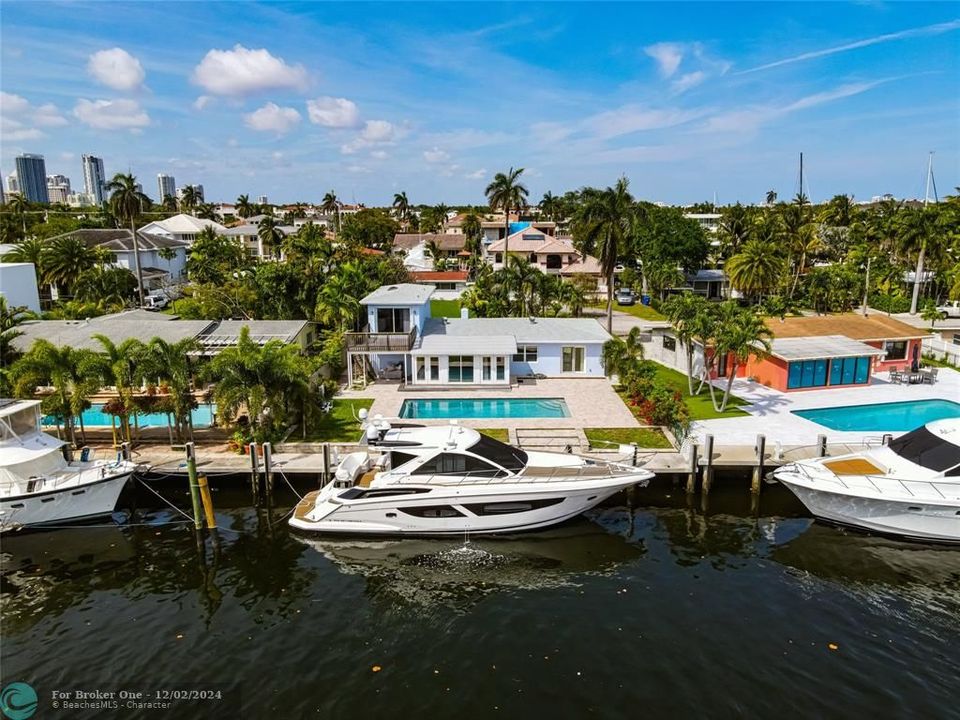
<point x="95" y="417"/>
<point x="885" y="417"/>
<point x="478" y="408"/>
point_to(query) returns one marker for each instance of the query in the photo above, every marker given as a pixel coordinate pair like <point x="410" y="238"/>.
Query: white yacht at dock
<point x="909" y="488"/>
<point x="451" y="480"/>
<point x="37" y="484"/>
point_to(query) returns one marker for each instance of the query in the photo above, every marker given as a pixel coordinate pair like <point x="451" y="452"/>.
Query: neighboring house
<point x="158" y="271"/>
<point x="213" y="335"/>
<point x="18" y="285"/>
<point x="413" y="246"/>
<point x="447" y="282"/>
<point x="546" y="252"/>
<point x="708" y="221"/>
<point x="712" y="284"/>
<point x="248" y="236"/>
<point x="402" y="340"/>
<point x="809" y="353"/>
<point x="180" y="227"/>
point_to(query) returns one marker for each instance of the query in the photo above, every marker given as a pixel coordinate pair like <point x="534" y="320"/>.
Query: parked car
<point x="950" y="310"/>
<point x="155" y="302"/>
<point x="625" y="296"/>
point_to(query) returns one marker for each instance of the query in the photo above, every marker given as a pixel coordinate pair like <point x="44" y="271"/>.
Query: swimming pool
<point x="885" y="417"/>
<point x="95" y="417"/>
<point x="477" y="408"/>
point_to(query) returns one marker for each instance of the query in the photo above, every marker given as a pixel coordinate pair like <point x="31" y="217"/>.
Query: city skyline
<point x="292" y="101"/>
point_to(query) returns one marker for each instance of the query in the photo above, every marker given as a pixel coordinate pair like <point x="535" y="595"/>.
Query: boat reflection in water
<point x="460" y="572"/>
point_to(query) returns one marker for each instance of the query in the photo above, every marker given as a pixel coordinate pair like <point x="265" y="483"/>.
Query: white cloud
<point x="375" y="132"/>
<point x="937" y="29"/>
<point x="687" y="81"/>
<point x="20" y="120"/>
<point x="333" y="112"/>
<point x="667" y="55"/>
<point x="436" y="155"/>
<point x="476" y="174"/>
<point x="111" y="114"/>
<point x="272" y="118"/>
<point x="201" y="102"/>
<point x="242" y="71"/>
<point x="635" y="118"/>
<point x="358" y="169"/>
<point x="379" y="154"/>
<point x="117" y="69"/>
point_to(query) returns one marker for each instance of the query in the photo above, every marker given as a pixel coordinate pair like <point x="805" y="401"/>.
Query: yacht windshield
<point x="500" y="453"/>
<point x="924" y="448"/>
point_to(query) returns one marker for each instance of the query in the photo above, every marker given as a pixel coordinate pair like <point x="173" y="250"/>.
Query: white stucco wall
<point x="550" y="360"/>
<point x="419" y="314"/>
<point x="18" y="284"/>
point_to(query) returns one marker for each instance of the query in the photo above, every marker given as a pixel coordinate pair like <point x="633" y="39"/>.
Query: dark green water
<point x="658" y="611"/>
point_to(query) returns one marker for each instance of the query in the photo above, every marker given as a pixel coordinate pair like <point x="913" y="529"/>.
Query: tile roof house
<point x="403" y="341"/>
<point x="549" y="254"/>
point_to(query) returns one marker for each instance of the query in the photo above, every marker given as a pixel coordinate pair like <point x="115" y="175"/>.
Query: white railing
<point x="557" y="474"/>
<point x="894" y="483"/>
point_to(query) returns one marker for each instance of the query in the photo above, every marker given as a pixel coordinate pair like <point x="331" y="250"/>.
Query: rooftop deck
<point x="368" y="342"/>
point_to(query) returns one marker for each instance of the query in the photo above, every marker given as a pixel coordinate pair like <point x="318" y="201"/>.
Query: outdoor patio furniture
<point x="929" y="376"/>
<point x="895" y="376"/>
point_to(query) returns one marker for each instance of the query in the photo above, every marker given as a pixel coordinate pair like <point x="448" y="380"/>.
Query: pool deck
<point x="771" y="411"/>
<point x="592" y="403"/>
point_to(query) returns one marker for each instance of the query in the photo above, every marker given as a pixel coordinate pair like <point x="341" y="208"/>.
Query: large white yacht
<point x="910" y="487"/>
<point x="451" y="480"/>
<point x="38" y="486"/>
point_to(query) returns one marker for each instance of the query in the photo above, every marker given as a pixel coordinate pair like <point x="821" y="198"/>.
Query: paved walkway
<point x="771" y="411"/>
<point x="592" y="403"/>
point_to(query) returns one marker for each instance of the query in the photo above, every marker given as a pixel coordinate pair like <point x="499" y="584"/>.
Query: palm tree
<point x="506" y="193"/>
<point x="270" y="234"/>
<point x="401" y="206"/>
<point x="917" y="228"/>
<point x="771" y="197"/>
<point x="520" y="277"/>
<point x="66" y="259"/>
<point x="74" y="375"/>
<point x="331" y="205"/>
<point x="335" y="305"/>
<point x="10" y="319"/>
<point x="189" y="198"/>
<point x="606" y="224"/>
<point x="739" y="334"/>
<point x="442" y="212"/>
<point x="621" y="356"/>
<point x="244" y="207"/>
<point x="207" y="211"/>
<point x="174" y="364"/>
<point x="125" y="203"/>
<point x="756" y="269"/>
<point x="34" y="251"/>
<point x="169" y="203"/>
<point x="688" y="312"/>
<point x="574" y="297"/>
<point x="106" y="284"/>
<point x="550" y="206"/>
<point x="19" y="205"/>
<point x="120" y="368"/>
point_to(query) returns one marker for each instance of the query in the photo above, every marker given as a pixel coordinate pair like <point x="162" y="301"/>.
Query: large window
<point x="669" y="343"/>
<point x="500" y="453"/>
<point x="849" y="371"/>
<point x="572" y="359"/>
<point x="457" y="464"/>
<point x="896" y="350"/>
<point x="427" y="367"/>
<point x="501" y="368"/>
<point x="821" y="372"/>
<point x="461" y="369"/>
<point x="393" y="320"/>
<point x="554" y="262"/>
<point x="526" y="353"/>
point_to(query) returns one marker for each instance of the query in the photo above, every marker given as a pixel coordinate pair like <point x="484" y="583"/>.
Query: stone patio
<point x="592" y="403"/>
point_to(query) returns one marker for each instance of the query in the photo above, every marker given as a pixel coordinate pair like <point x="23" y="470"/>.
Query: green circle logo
<point x="18" y="701"/>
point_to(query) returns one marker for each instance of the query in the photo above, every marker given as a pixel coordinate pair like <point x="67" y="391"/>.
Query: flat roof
<point x="815" y="348"/>
<point x="851" y="325"/>
<point x="401" y="294"/>
<point x="463" y="345"/>
<point x="546" y="330"/>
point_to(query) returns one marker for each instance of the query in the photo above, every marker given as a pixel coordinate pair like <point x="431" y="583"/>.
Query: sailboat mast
<point x="926" y="192"/>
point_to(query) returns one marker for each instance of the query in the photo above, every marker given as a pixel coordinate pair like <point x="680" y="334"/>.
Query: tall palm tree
<point x="270" y="234"/>
<point x="110" y="285"/>
<point x="335" y="305"/>
<point x="331" y="205"/>
<point x="507" y="193"/>
<point x="740" y="334"/>
<point x="174" y="363"/>
<point x="121" y="367"/>
<point x="520" y="277"/>
<point x="207" y="211"/>
<point x="189" y="198"/>
<point x="771" y="197"/>
<point x="19" y="205"/>
<point x="169" y="203"/>
<point x="756" y="269"/>
<point x="918" y="232"/>
<point x="401" y="206"/>
<point x="606" y="225"/>
<point x="66" y="259"/>
<point x="73" y="374"/>
<point x="688" y="312"/>
<point x="34" y="251"/>
<point x="244" y="207"/>
<point x="125" y="203"/>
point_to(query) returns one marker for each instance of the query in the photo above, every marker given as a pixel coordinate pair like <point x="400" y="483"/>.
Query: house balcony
<point x="373" y="342"/>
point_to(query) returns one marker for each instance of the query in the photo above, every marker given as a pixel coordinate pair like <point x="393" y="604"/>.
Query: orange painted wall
<point x="881" y="365"/>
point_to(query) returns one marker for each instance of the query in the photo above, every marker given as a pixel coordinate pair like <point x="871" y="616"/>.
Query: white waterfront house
<point x="403" y="341"/>
<point x="181" y="227"/>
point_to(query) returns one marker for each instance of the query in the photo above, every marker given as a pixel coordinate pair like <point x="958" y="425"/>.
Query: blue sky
<point x="292" y="100"/>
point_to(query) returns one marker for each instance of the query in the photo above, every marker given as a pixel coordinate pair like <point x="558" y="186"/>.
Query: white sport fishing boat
<point x="37" y="484"/>
<point x="909" y="488"/>
<point x="451" y="480"/>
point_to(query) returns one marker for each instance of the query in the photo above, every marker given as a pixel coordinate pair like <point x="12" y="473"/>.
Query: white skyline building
<point x="94" y="178"/>
<point x="58" y="188"/>
<point x="166" y="185"/>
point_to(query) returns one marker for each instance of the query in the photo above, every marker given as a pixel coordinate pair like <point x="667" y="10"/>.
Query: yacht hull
<point x="71" y="503"/>
<point x="438" y="511"/>
<point x="913" y="519"/>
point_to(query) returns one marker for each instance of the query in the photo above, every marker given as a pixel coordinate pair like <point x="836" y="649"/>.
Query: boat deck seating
<point x="367" y="478"/>
<point x="305" y="505"/>
<point x="853" y="466"/>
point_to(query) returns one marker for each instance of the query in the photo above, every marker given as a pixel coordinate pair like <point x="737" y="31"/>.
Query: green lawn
<point x="339" y="425"/>
<point x="445" y="308"/>
<point x="496" y="433"/>
<point x="644" y="312"/>
<point x="700" y="406"/>
<point x="609" y="438"/>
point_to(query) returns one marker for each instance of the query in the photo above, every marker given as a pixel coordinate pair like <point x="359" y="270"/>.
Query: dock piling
<point x="207" y="500"/>
<point x="254" y="472"/>
<point x="757" y="479"/>
<point x="821" y="445"/>
<point x="268" y="468"/>
<point x="125" y="450"/>
<point x="694" y="470"/>
<point x="325" y="473"/>
<point x="708" y="467"/>
<point x="194" y="485"/>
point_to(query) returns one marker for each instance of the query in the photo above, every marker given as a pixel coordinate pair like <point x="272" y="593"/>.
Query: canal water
<point x="659" y="610"/>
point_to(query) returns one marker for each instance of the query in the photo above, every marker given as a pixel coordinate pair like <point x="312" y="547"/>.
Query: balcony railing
<point x="380" y="342"/>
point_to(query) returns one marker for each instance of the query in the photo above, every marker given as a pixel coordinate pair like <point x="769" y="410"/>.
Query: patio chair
<point x="895" y="376"/>
<point x="930" y="376"/>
